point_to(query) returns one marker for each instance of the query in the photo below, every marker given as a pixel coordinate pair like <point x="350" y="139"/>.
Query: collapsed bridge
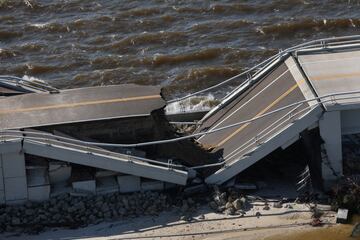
<point x="315" y="85"/>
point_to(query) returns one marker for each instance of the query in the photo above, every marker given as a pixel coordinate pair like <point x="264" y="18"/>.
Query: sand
<point x="205" y="225"/>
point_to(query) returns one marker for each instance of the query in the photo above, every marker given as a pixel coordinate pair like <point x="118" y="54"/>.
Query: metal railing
<point x="20" y="82"/>
<point x="131" y="145"/>
<point x="50" y="139"/>
<point x="54" y="141"/>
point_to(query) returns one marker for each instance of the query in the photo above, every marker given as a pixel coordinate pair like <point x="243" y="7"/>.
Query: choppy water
<point x="181" y="45"/>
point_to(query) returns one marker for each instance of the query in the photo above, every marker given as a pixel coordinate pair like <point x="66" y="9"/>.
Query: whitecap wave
<point x="192" y="104"/>
<point x="33" y="79"/>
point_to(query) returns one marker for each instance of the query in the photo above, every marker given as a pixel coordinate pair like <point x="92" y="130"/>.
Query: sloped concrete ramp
<point x="333" y="72"/>
<point x="243" y="145"/>
<point x="51" y="147"/>
<point x="79" y="105"/>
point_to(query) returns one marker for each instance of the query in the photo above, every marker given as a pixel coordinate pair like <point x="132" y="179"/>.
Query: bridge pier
<point x="330" y="132"/>
<point x="13" y="182"/>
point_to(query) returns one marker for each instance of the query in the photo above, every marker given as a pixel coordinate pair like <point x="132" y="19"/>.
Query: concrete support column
<point x="330" y="132"/>
<point x="14" y="177"/>
<point x="2" y="188"/>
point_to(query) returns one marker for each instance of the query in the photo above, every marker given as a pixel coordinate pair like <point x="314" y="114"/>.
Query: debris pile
<point x="346" y="194"/>
<point x="230" y="202"/>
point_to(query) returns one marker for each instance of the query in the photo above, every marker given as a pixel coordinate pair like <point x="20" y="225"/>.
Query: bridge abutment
<point x="330" y="132"/>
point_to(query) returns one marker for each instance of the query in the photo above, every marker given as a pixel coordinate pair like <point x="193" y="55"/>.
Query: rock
<point x="105" y="207"/>
<point x="185" y="207"/>
<point x="237" y="204"/>
<point x="197" y="180"/>
<point x="56" y="217"/>
<point x="107" y="215"/>
<point x="190" y="201"/>
<point x="356" y="230"/>
<point x="229" y="205"/>
<point x="125" y="202"/>
<point x="221" y="209"/>
<point x="243" y="201"/>
<point x="15" y="221"/>
<point x="122" y="211"/>
<point x="29" y="212"/>
<point x="277" y="205"/>
<point x="213" y="205"/>
<point x="230" y="211"/>
<point x="92" y="218"/>
<point x="231" y="198"/>
<point x="223" y="198"/>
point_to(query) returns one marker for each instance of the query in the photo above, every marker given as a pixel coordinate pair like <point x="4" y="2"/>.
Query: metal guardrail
<point x="333" y="41"/>
<point x="53" y="140"/>
<point x="50" y="140"/>
<point x="20" y="82"/>
<point x="318" y="99"/>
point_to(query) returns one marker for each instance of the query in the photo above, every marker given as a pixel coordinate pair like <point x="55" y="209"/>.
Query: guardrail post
<point x="333" y="99"/>
<point x="128" y="153"/>
<point x="170" y="162"/>
<point x="257" y="140"/>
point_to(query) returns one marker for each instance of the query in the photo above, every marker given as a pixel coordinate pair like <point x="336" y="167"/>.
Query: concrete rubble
<point x="71" y="211"/>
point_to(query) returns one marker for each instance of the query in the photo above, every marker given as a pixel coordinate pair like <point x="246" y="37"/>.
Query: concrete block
<point x="152" y="185"/>
<point x="342" y="215"/>
<point x="330" y="131"/>
<point x="59" y="172"/>
<point x="59" y="189"/>
<point x="39" y="193"/>
<point x="13" y="165"/>
<point x="2" y="197"/>
<point x="37" y="177"/>
<point x="105" y="173"/>
<point x="106" y="185"/>
<point x="16" y="202"/>
<point x="129" y="183"/>
<point x="15" y="188"/>
<point x="88" y="186"/>
<point x="168" y="185"/>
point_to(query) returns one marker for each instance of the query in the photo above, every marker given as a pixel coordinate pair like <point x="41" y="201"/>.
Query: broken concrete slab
<point x="59" y="172"/>
<point x="88" y="186"/>
<point x="152" y="185"/>
<point x="129" y="183"/>
<point x="106" y="185"/>
<point x="39" y="193"/>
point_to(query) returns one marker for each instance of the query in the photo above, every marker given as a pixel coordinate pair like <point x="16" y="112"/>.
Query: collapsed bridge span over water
<point x="315" y="87"/>
<point x="124" y="130"/>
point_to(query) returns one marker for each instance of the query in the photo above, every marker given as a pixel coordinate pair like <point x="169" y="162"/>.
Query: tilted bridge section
<point x="312" y="85"/>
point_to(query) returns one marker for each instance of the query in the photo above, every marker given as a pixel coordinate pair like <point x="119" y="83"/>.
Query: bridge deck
<point x="276" y="90"/>
<point x="333" y="72"/>
<point x="78" y="105"/>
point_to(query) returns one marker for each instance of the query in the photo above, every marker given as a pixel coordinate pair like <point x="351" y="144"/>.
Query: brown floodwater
<point x="181" y="45"/>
